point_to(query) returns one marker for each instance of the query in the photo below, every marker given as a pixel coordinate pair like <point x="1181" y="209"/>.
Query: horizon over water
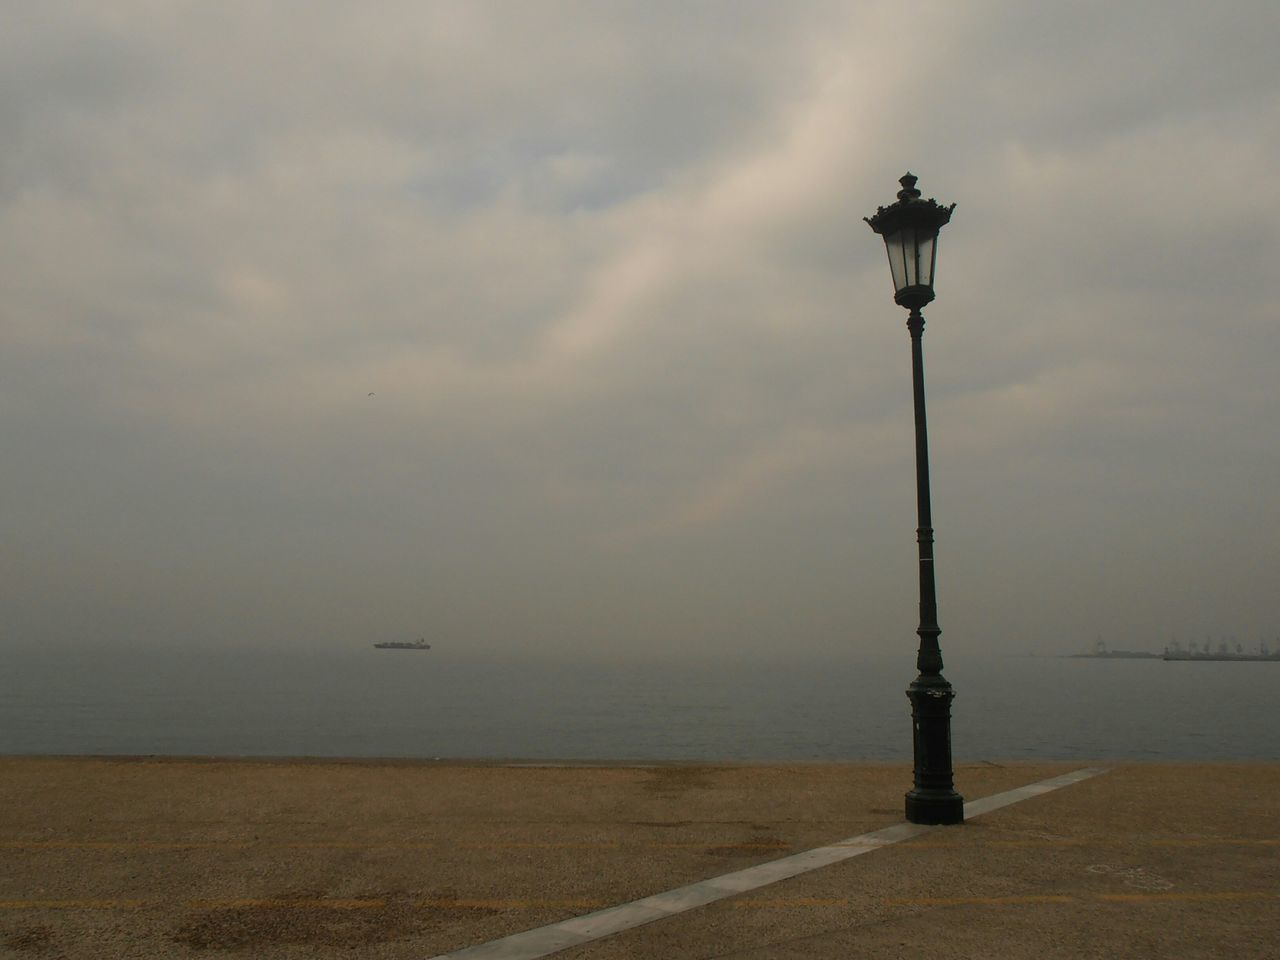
<point x="440" y="704"/>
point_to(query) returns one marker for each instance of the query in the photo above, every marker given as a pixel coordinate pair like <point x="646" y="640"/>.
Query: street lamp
<point x="910" y="231"/>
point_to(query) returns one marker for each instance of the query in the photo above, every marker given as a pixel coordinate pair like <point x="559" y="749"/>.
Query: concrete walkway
<point x="204" y="858"/>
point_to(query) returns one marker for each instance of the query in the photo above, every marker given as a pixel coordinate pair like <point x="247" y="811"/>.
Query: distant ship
<point x="1196" y="655"/>
<point x="1176" y="651"/>
<point x="1100" y="651"/>
<point x="1223" y="652"/>
<point x="419" y="644"/>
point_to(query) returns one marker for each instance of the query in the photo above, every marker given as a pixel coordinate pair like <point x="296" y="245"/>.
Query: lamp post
<point x="910" y="231"/>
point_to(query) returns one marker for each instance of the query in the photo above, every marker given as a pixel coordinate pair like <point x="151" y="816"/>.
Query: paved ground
<point x="166" y="858"/>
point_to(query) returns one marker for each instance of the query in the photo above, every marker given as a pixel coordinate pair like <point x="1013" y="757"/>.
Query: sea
<point x="363" y="702"/>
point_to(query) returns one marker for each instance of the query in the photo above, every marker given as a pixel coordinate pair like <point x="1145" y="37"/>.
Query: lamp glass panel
<point x="898" y="245"/>
<point x="911" y="253"/>
<point x="926" y="244"/>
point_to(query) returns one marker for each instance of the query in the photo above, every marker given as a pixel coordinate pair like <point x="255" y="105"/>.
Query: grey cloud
<point x="639" y="382"/>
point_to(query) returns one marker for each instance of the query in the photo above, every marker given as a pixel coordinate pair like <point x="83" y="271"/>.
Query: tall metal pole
<point x="934" y="798"/>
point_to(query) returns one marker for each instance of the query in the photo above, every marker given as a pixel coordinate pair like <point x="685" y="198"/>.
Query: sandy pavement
<point x="392" y="859"/>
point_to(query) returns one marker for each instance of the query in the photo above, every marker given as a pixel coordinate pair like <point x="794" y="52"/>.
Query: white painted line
<point x="977" y="808"/>
<point x="537" y="943"/>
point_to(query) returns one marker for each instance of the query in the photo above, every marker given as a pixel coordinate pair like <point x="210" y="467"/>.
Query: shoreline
<point x="620" y="763"/>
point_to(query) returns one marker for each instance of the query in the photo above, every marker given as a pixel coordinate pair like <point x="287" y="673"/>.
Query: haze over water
<point x="368" y="703"/>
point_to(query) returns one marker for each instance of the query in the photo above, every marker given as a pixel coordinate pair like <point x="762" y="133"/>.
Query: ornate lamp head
<point x="910" y="231"/>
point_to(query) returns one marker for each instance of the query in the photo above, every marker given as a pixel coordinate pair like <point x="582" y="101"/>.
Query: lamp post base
<point x="933" y="799"/>
<point x="935" y="807"/>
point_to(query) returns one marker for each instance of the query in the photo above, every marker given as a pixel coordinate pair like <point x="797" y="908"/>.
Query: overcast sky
<point x="555" y="326"/>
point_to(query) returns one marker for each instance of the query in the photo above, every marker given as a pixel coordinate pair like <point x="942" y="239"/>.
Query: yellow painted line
<point x="71" y="904"/>
<point x="1011" y="900"/>
<point x="218" y="845"/>
<point x="1207" y="897"/>
<point x="788" y="902"/>
<point x="516" y="845"/>
<point x="1214" y="841"/>
<point x="285" y="904"/>
<point x="961" y="844"/>
<point x="940" y="845"/>
<point x="1188" y="897"/>
<point x="601" y="845"/>
<point x="509" y="904"/>
<point x="326" y="845"/>
<point x="712" y="845"/>
<point x="1094" y="842"/>
<point x="119" y="845"/>
<point x="581" y="903"/>
<point x="980" y="901"/>
<point x="1038" y="843"/>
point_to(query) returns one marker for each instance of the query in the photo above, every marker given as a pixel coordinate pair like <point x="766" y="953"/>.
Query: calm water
<point x="405" y="704"/>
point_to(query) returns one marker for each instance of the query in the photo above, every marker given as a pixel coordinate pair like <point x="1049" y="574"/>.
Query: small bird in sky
<point x="371" y="394"/>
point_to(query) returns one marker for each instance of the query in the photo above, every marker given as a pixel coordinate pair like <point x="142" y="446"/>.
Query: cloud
<point x="606" y="275"/>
